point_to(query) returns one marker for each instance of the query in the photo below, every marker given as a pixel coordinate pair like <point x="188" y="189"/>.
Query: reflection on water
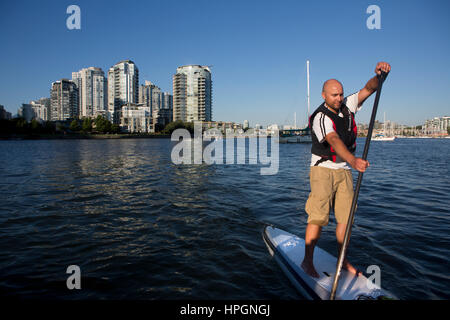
<point x="141" y="227"/>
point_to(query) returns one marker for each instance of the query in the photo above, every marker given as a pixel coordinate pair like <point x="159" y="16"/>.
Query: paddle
<point x="381" y="78"/>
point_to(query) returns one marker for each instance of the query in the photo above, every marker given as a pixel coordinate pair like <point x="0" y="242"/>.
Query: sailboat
<point x="298" y="135"/>
<point x="382" y="136"/>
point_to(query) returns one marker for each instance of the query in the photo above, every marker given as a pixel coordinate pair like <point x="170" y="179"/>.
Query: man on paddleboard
<point x="334" y="133"/>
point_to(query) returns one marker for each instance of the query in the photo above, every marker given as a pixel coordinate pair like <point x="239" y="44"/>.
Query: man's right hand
<point x="359" y="164"/>
<point x="342" y="151"/>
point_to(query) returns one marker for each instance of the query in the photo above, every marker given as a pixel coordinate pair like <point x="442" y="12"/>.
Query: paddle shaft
<point x="381" y="78"/>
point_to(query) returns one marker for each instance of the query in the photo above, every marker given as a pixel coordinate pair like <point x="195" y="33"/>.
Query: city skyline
<point x="148" y="83"/>
<point x="256" y="50"/>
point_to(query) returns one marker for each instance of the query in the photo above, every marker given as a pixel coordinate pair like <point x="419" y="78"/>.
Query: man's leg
<point x="312" y="235"/>
<point x="342" y="206"/>
<point x="318" y="208"/>
<point x="340" y="234"/>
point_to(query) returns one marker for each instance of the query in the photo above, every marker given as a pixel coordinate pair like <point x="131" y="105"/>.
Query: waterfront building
<point x="157" y="98"/>
<point x="26" y="112"/>
<point x="273" y="128"/>
<point x="163" y="113"/>
<point x="162" y="117"/>
<point x="192" y="94"/>
<point x="4" y="115"/>
<point x="41" y="109"/>
<point x="160" y="104"/>
<point x="63" y="100"/>
<point x="445" y="123"/>
<point x="123" y="88"/>
<point x="225" y="127"/>
<point x="167" y="101"/>
<point x="246" y="125"/>
<point x="151" y="96"/>
<point x="92" y="91"/>
<point x="47" y="103"/>
<point x="146" y="93"/>
<point x="37" y="110"/>
<point x="136" y="118"/>
<point x="436" y="126"/>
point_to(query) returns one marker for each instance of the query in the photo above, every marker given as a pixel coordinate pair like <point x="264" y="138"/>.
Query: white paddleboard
<point x="288" y="250"/>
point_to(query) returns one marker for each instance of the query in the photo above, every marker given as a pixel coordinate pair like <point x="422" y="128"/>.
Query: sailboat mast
<point x="307" y="77"/>
<point x="295" y="120"/>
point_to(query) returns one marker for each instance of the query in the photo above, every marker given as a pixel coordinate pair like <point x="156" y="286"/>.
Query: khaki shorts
<point x="330" y="188"/>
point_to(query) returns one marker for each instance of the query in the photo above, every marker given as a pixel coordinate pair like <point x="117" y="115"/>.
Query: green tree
<point x="190" y="127"/>
<point x="159" y="127"/>
<point x="49" y="127"/>
<point x="36" y="126"/>
<point x="114" y="128"/>
<point x="448" y="130"/>
<point x="103" y="125"/>
<point x="60" y="127"/>
<point x="74" y="125"/>
<point x="87" y="125"/>
<point x="7" y="126"/>
<point x="172" y="126"/>
<point x="21" y="125"/>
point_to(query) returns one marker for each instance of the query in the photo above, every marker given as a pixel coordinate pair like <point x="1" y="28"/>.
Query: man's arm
<point x="342" y="151"/>
<point x="372" y="85"/>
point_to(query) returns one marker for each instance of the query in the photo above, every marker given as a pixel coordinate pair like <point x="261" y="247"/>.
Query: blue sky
<point x="257" y="50"/>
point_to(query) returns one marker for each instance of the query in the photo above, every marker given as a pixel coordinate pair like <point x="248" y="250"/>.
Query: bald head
<point x="333" y="94"/>
<point x="331" y="83"/>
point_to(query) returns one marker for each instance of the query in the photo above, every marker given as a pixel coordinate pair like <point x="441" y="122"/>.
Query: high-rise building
<point x="150" y="96"/>
<point x="136" y="118"/>
<point x="159" y="102"/>
<point x="437" y="125"/>
<point x="37" y="110"/>
<point x="26" y="112"/>
<point x="167" y="101"/>
<point x="41" y="109"/>
<point x="192" y="93"/>
<point x="4" y="115"/>
<point x="164" y="115"/>
<point x="92" y="91"/>
<point x="63" y="100"/>
<point x="46" y="102"/>
<point x="123" y="88"/>
<point x="246" y="125"/>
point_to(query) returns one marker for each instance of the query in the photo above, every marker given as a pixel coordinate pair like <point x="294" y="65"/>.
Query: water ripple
<point x="141" y="227"/>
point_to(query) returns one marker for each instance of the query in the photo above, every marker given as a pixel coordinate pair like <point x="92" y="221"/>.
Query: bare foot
<point x="309" y="269"/>
<point x="347" y="266"/>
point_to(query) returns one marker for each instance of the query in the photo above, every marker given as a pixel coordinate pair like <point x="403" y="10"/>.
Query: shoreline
<point x="74" y="136"/>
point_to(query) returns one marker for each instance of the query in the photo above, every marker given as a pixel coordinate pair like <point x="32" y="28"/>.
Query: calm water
<point x="141" y="227"/>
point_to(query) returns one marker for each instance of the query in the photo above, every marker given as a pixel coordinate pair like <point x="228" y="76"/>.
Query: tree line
<point x="97" y="125"/>
<point x="84" y="125"/>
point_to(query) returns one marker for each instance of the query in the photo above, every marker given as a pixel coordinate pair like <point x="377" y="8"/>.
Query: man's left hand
<point x="382" y="66"/>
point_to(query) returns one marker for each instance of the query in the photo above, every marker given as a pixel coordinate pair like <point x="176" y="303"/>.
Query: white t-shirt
<point x="322" y="125"/>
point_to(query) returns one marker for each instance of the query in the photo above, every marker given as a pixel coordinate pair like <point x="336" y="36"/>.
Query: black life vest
<point x="345" y="128"/>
